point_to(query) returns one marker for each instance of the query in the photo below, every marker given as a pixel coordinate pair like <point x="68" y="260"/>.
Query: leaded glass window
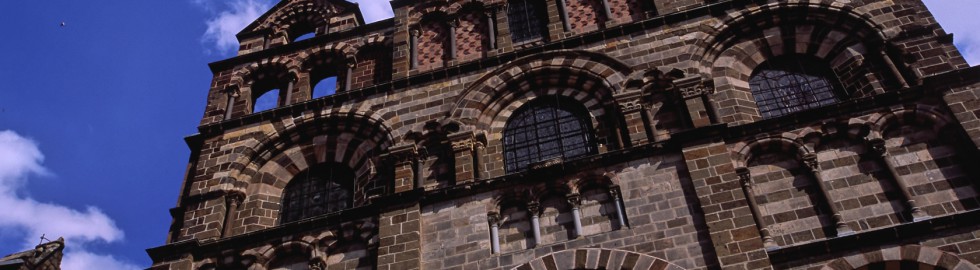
<point x="793" y="83"/>
<point x="525" y="18"/>
<point x="544" y="129"/>
<point x="324" y="189"/>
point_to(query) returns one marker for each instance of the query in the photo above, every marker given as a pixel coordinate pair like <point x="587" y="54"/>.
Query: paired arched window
<point x="323" y="189"/>
<point x="793" y="83"/>
<point x="526" y="19"/>
<point x="546" y="128"/>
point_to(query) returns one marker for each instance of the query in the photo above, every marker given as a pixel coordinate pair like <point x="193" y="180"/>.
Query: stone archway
<point x="595" y="258"/>
<point x="907" y="257"/>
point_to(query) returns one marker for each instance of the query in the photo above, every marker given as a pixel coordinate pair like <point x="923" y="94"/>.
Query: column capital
<point x="694" y="87"/>
<point x="402" y="153"/>
<point x="744" y="176"/>
<point x="877" y="145"/>
<point x="234" y="197"/>
<point x="493" y="218"/>
<point x="533" y="207"/>
<point x="810" y="160"/>
<point x="574" y="199"/>
<point x="615" y="192"/>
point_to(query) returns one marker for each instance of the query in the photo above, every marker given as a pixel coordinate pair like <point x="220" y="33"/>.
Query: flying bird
<point x="63" y="24"/>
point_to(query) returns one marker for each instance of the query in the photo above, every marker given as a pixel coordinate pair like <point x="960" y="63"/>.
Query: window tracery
<point x="323" y="189"/>
<point x="791" y="84"/>
<point x="547" y="128"/>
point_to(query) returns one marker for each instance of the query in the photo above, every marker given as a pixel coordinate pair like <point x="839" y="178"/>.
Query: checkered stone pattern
<point x="471" y="36"/>
<point x="789" y="199"/>
<point x="935" y="174"/>
<point x="860" y="185"/>
<point x="585" y="15"/>
<point x="432" y="45"/>
<point x="627" y="10"/>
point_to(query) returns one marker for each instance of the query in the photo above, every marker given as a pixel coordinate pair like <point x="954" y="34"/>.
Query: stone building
<point x="45" y="256"/>
<point x="586" y="134"/>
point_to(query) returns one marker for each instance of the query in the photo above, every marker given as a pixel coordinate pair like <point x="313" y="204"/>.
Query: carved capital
<point x="234" y="198"/>
<point x="810" y="160"/>
<point x="744" y="176"/>
<point x="402" y="153"/>
<point x="574" y="199"/>
<point x="462" y="141"/>
<point x="533" y="207"/>
<point x="615" y="192"/>
<point x="695" y="86"/>
<point x="493" y="218"/>
<point x="318" y="264"/>
<point x="630" y="106"/>
<point x="878" y="146"/>
<point x="415" y="32"/>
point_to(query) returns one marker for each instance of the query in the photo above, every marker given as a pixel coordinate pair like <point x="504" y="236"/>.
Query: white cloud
<point x="233" y="17"/>
<point x="82" y="260"/>
<point x="375" y="10"/>
<point x="956" y="16"/>
<point x="21" y="158"/>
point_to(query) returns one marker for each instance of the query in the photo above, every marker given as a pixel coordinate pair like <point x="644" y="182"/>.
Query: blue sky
<point x="93" y="114"/>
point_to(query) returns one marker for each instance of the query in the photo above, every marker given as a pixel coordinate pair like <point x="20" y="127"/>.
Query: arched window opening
<point x="305" y="36"/>
<point x="327" y="75"/>
<point x="526" y="19"/>
<point x="546" y="128"/>
<point x="323" y="189"/>
<point x="294" y="262"/>
<point x="794" y="83"/>
<point x="301" y="31"/>
<point x="267" y="101"/>
<point x="325" y="87"/>
<point x="900" y="265"/>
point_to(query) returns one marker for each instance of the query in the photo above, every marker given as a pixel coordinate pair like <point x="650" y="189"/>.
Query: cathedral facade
<point x="586" y="134"/>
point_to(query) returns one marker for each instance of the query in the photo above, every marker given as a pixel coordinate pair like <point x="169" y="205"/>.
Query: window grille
<point x="791" y="84"/>
<point x="324" y="189"/>
<point x="525" y="19"/>
<point x="544" y="129"/>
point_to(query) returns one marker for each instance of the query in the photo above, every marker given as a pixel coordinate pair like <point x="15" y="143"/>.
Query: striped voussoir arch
<point x="594" y="258"/>
<point x="587" y="77"/>
<point x="333" y="53"/>
<point x="277" y="68"/>
<point x="746" y="39"/>
<point x="352" y="139"/>
<point x="298" y="12"/>
<point x="906" y="257"/>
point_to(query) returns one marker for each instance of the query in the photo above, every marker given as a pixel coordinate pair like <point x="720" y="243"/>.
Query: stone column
<point x="564" y="15"/>
<point x="230" y="107"/>
<point x="811" y="163"/>
<point x="878" y="147"/>
<point x="232" y="201"/>
<point x="746" y="180"/>
<point x="413" y="42"/>
<point x="404" y="159"/>
<point x="607" y="10"/>
<point x="494" y="220"/>
<point x="480" y="149"/>
<point x="491" y="28"/>
<point x="532" y="208"/>
<point x="637" y="130"/>
<point x="576" y="202"/>
<point x="348" y="78"/>
<point x="464" y="146"/>
<point x="289" y="92"/>
<point x="617" y="198"/>
<point x="894" y="69"/>
<point x="696" y="93"/>
<point x="453" y="24"/>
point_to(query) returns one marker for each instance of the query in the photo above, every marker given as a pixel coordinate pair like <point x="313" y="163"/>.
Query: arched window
<point x="526" y="19"/>
<point x="267" y="101"/>
<point x="793" y="83"/>
<point x="547" y="128"/>
<point x="323" y="189"/>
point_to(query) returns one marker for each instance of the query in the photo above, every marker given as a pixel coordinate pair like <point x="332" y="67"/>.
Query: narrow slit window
<point x="526" y="20"/>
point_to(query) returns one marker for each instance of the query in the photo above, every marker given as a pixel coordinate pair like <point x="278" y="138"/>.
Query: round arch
<point x="595" y="258"/>
<point x="924" y="255"/>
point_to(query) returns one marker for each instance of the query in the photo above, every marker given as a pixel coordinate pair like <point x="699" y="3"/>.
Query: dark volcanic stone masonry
<point x="586" y="134"/>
